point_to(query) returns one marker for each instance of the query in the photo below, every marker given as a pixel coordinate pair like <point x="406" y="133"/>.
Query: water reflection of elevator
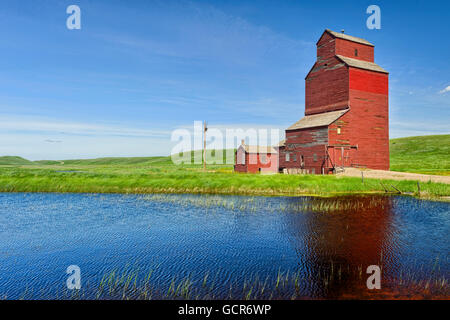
<point x="336" y="246"/>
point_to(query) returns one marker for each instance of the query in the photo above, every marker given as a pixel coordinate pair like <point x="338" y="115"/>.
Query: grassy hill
<point x="12" y="160"/>
<point x="125" y="161"/>
<point x="118" y="161"/>
<point x="422" y="154"/>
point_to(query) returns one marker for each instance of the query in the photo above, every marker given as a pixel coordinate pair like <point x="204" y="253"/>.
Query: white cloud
<point x="38" y="138"/>
<point x="205" y="32"/>
<point x="446" y="89"/>
<point x="34" y="146"/>
<point x="58" y="126"/>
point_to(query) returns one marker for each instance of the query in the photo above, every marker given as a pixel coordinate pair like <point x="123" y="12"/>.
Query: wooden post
<point x="204" y="145"/>
<point x="362" y="176"/>
<point x="418" y="187"/>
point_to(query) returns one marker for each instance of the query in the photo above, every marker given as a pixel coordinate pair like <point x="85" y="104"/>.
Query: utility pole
<point x="205" y="128"/>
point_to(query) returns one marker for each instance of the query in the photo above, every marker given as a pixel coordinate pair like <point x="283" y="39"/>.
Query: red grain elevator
<point x="346" y="122"/>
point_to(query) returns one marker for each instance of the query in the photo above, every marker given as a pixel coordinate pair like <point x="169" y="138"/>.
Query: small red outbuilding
<point x="256" y="159"/>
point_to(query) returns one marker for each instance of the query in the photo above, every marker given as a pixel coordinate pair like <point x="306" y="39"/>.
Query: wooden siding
<point x="311" y="144"/>
<point x="254" y="162"/>
<point x="366" y="125"/>
<point x="347" y="48"/>
<point x="326" y="87"/>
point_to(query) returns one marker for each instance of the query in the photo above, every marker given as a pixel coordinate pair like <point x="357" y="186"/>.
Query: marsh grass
<point x="331" y="281"/>
<point x="253" y="204"/>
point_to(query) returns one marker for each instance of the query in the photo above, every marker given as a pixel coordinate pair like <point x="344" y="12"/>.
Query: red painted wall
<point x="326" y="87"/>
<point x="326" y="47"/>
<point x="238" y="167"/>
<point x="366" y="124"/>
<point x="368" y="81"/>
<point x="347" y="48"/>
<point x="327" y="84"/>
<point x="254" y="163"/>
<point x="306" y="143"/>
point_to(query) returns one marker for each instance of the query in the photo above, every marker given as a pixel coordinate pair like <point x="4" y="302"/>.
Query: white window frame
<point x="263" y="158"/>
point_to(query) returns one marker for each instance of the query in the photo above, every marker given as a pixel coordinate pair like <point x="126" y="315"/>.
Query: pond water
<point x="199" y="246"/>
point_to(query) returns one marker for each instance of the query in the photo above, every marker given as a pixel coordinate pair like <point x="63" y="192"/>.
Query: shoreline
<point x="246" y="194"/>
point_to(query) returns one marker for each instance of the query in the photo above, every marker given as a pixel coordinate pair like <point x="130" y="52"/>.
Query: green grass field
<point x="160" y="175"/>
<point x="423" y="154"/>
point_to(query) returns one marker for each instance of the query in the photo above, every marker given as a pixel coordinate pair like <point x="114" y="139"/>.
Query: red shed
<point x="255" y="159"/>
<point x="346" y="110"/>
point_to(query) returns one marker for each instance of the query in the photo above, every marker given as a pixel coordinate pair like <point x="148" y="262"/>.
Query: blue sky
<point x="137" y="70"/>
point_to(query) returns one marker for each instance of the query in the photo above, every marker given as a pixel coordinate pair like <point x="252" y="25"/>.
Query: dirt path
<point x="394" y="175"/>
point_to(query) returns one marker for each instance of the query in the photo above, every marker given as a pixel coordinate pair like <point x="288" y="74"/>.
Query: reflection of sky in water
<point x="231" y="237"/>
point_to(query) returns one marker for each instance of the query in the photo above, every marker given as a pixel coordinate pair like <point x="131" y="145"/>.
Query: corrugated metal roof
<point x="259" y="149"/>
<point x="361" y="64"/>
<point x="317" y="120"/>
<point x="349" y="38"/>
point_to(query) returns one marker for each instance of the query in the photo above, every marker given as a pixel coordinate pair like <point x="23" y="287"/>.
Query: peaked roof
<point x="282" y="143"/>
<point x="361" y="64"/>
<point x="347" y="37"/>
<point x="318" y="120"/>
<point x="258" y="149"/>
